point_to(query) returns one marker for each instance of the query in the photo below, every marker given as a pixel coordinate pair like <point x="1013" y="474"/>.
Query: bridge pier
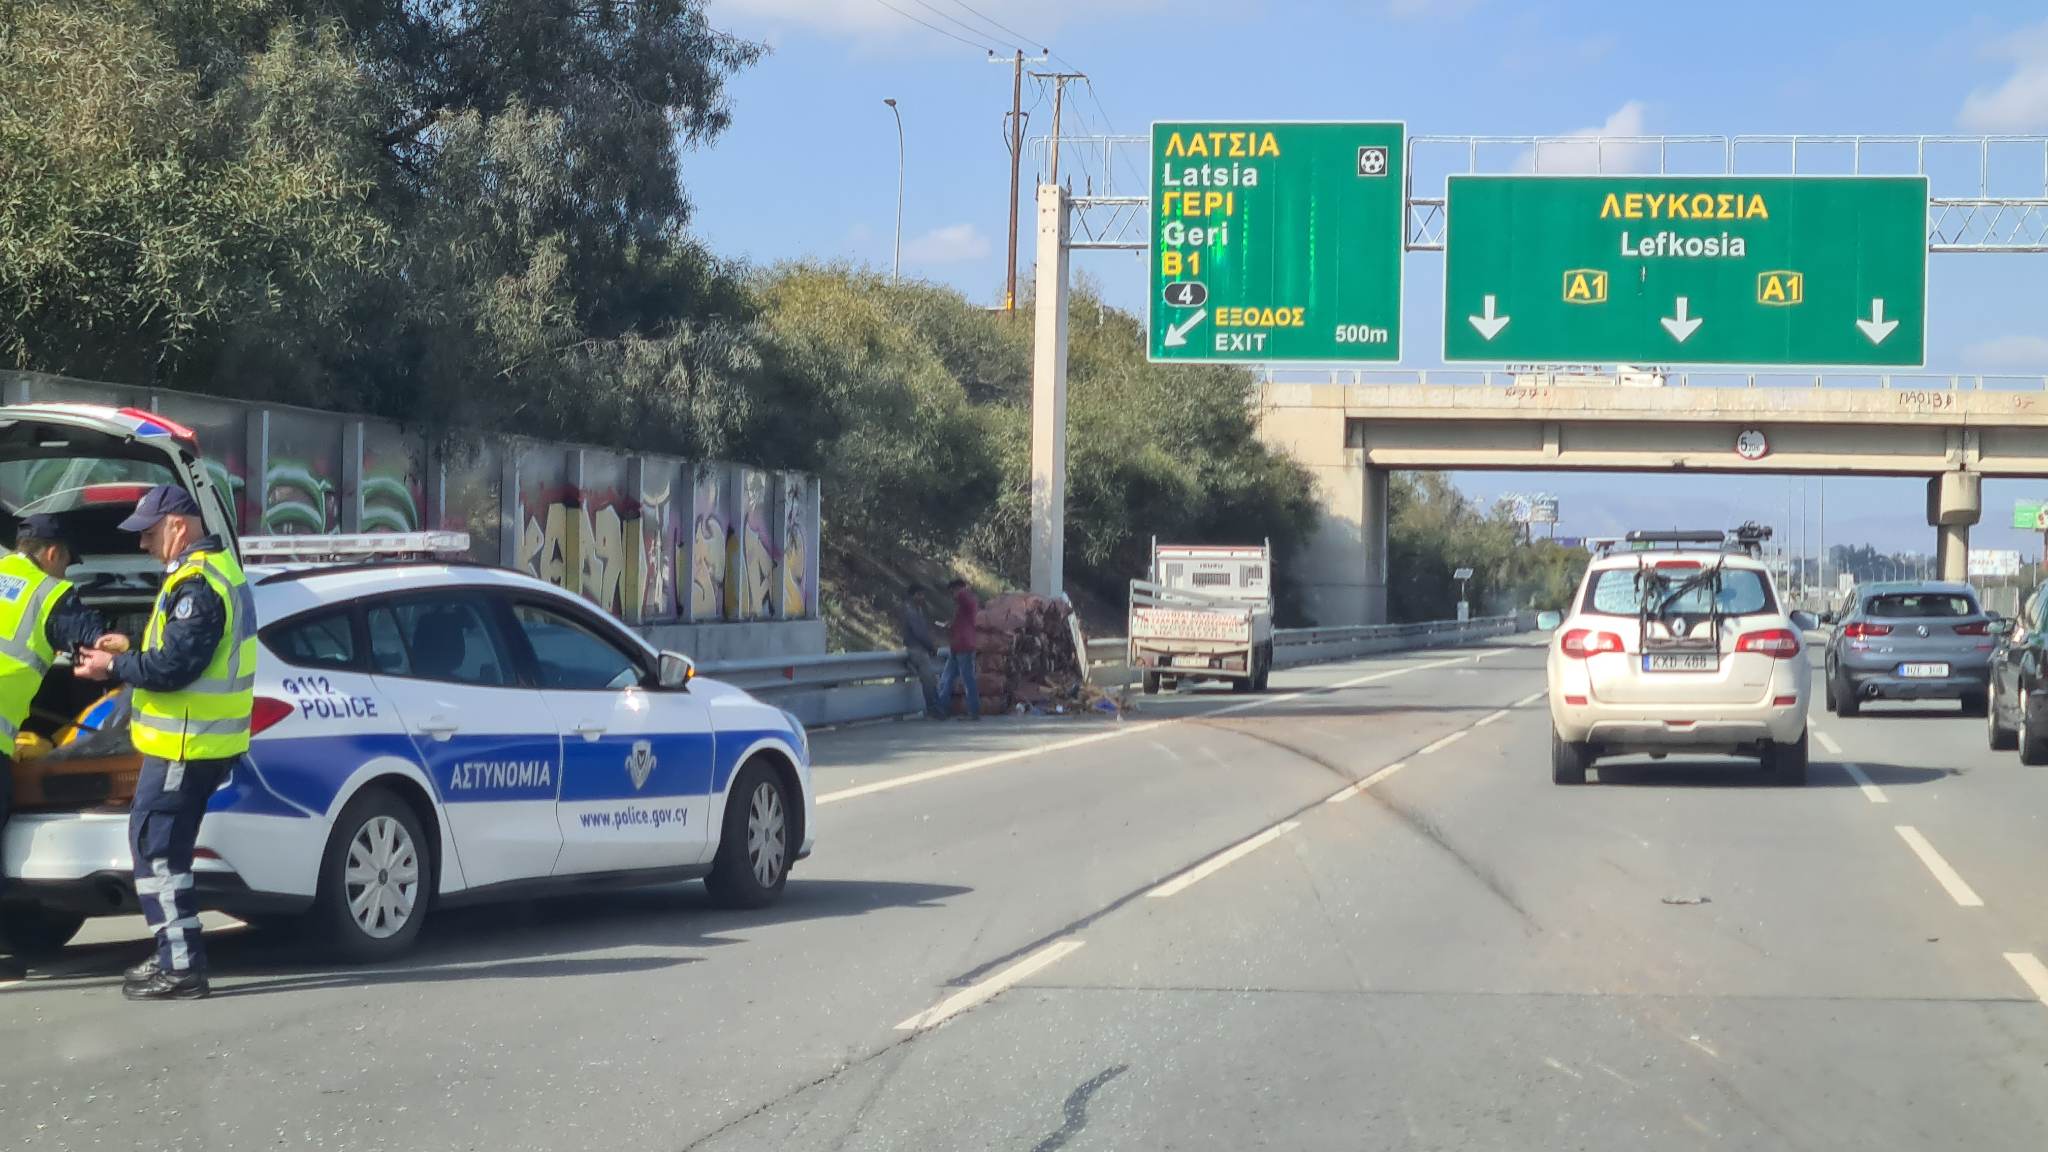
<point x="1342" y="573"/>
<point x="1955" y="500"/>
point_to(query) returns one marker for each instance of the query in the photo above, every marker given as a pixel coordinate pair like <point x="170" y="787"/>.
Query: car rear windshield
<point x="1914" y="605"/>
<point x="1621" y="592"/>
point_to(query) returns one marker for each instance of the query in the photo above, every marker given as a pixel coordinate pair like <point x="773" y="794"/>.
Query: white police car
<point x="427" y="733"/>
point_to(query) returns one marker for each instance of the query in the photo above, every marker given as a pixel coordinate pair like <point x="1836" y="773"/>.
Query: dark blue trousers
<point x="170" y="799"/>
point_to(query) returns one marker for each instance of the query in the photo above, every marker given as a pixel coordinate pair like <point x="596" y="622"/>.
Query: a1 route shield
<point x="1277" y="241"/>
<point x="1794" y="270"/>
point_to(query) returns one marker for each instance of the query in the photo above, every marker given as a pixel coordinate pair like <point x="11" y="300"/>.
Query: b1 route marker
<point x="1777" y="270"/>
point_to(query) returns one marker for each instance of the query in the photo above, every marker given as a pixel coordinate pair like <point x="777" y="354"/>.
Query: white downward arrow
<point x="1877" y="327"/>
<point x="1680" y="326"/>
<point x="1177" y="334"/>
<point x="1489" y="325"/>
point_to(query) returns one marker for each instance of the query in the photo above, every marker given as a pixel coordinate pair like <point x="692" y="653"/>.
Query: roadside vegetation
<point x="446" y="214"/>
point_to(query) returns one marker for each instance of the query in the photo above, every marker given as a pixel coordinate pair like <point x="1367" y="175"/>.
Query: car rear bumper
<point x="1725" y="734"/>
<point x="1889" y="687"/>
<point x="80" y="862"/>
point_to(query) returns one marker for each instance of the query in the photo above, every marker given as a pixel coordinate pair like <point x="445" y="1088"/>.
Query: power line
<point x="954" y="20"/>
<point x="1007" y="30"/>
<point x="935" y="27"/>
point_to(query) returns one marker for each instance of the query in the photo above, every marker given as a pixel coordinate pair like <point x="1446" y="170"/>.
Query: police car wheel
<point x="755" y="848"/>
<point x="30" y="930"/>
<point x="375" y="879"/>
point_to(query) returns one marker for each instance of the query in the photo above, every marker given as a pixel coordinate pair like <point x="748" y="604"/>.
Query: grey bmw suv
<point x="1910" y="641"/>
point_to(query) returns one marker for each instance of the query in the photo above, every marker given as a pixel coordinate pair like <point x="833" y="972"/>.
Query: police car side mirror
<point x="677" y="670"/>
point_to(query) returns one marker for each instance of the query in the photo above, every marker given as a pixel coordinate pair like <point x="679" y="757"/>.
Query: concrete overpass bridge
<point x="1952" y="431"/>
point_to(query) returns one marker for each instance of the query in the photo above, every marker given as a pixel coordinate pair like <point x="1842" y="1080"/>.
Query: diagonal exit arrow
<point x="1877" y="327"/>
<point x="1489" y="325"/>
<point x="1177" y="334"/>
<point x="1681" y="326"/>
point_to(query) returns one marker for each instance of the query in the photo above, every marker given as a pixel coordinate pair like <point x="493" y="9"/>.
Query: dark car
<point x="2016" y="718"/>
<point x="1911" y="641"/>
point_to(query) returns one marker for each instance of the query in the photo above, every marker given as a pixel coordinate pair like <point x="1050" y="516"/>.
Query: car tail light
<point x="1575" y="701"/>
<point x="1784" y="701"/>
<point x="1676" y="564"/>
<point x="1777" y="643"/>
<point x="1980" y="628"/>
<point x="268" y="712"/>
<point x="1859" y="630"/>
<point x="178" y="431"/>
<point x="1584" y="642"/>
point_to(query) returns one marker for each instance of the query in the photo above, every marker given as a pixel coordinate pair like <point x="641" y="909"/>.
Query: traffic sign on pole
<point x="1277" y="241"/>
<point x="1805" y="270"/>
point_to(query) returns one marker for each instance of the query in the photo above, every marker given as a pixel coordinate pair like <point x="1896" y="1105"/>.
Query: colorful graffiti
<point x="599" y="514"/>
<point x="302" y="478"/>
<point x="710" y="531"/>
<point x="658" y="539"/>
<point x="391" y="492"/>
<point x="762" y="553"/>
<point x="796" y="572"/>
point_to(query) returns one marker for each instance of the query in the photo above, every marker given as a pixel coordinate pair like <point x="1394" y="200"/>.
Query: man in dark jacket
<point x="194" y="676"/>
<point x="918" y="642"/>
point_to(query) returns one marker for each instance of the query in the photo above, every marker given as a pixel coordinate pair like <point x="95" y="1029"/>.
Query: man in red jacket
<point x="960" y="653"/>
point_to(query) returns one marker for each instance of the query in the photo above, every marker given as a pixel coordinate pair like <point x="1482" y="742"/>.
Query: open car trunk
<point x="88" y="465"/>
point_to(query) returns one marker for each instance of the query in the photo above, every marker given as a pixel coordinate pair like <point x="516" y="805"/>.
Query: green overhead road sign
<point x="1806" y="270"/>
<point x="1276" y="242"/>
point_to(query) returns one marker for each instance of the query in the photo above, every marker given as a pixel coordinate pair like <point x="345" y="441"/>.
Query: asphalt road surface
<point x="1350" y="914"/>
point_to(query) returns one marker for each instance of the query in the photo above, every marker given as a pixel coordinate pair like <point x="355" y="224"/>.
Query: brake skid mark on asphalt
<point x="1119" y="733"/>
<point x="987" y="989"/>
<point x="1222" y="860"/>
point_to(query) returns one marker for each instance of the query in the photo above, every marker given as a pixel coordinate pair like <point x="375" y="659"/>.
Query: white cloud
<point x="952" y="244"/>
<point x="2028" y="354"/>
<point x="2021" y="103"/>
<point x="1565" y="156"/>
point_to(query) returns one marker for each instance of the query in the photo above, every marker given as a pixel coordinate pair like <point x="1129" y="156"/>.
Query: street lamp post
<point x="896" y="264"/>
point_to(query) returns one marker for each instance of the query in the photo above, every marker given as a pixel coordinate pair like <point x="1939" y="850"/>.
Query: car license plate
<point x="1681" y="662"/>
<point x="1923" y="670"/>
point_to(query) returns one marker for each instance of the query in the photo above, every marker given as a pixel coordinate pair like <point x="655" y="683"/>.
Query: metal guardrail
<point x="846" y="687"/>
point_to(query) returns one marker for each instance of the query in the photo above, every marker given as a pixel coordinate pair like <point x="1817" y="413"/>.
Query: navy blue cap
<point x="43" y="526"/>
<point x="157" y="503"/>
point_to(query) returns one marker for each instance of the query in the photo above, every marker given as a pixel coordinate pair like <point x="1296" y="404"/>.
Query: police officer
<point x="39" y="617"/>
<point x="194" y="676"/>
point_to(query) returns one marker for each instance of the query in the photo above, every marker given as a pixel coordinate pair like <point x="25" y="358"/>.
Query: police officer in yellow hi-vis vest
<point x="40" y="616"/>
<point x="194" y="675"/>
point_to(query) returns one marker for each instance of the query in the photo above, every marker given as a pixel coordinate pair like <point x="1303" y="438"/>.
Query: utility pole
<point x="1059" y="96"/>
<point x="1013" y="138"/>
<point x="896" y="263"/>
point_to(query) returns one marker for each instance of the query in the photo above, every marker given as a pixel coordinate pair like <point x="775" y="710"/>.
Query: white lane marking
<point x="1525" y="701"/>
<point x="1491" y="718"/>
<point x="1703" y="1046"/>
<point x="985" y="990"/>
<point x="1014" y="755"/>
<point x="1950" y="879"/>
<point x="1350" y="790"/>
<point x="1492" y="652"/>
<point x="1871" y="791"/>
<point x="1827" y="742"/>
<point x="1222" y="860"/>
<point x="987" y="762"/>
<point x="2029" y="967"/>
<point x="1444" y="743"/>
<point x="1554" y="1063"/>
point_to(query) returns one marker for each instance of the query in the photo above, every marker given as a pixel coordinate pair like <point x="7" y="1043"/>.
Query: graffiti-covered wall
<point x="652" y="539"/>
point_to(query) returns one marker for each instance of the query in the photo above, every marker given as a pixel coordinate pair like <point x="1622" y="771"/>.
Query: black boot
<point x="140" y="973"/>
<point x="169" y="986"/>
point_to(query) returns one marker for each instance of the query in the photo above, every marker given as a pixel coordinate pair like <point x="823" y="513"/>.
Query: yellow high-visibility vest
<point x="27" y="597"/>
<point x="207" y="719"/>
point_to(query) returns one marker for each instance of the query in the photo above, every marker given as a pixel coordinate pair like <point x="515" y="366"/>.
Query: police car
<point x="425" y="733"/>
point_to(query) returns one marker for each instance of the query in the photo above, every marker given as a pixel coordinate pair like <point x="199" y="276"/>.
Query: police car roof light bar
<point x="355" y="547"/>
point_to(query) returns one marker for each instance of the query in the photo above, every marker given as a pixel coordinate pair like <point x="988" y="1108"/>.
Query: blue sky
<point x="809" y="167"/>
